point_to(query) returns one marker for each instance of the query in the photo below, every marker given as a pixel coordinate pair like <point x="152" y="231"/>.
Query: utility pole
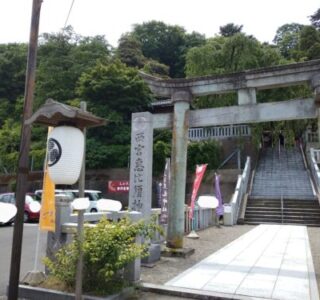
<point x="82" y="181"/>
<point x="23" y="165"/>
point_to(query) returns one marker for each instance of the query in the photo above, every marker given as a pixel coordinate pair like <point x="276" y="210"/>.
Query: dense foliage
<point x="72" y="68"/>
<point x="206" y="152"/>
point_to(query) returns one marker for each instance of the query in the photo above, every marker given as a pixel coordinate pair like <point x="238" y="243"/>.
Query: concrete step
<point x="284" y="212"/>
<point x="277" y="217"/>
<point x="309" y="224"/>
<point x="279" y="220"/>
<point x="285" y="206"/>
<point x="286" y="203"/>
<point x="295" y="211"/>
<point x="276" y="196"/>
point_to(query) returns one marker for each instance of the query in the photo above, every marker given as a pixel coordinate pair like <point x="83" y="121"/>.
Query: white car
<point x="38" y="194"/>
<point x="93" y="196"/>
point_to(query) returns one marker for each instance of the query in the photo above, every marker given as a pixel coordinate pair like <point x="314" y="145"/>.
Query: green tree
<point x="287" y="38"/>
<point x="63" y="57"/>
<point x="230" y="29"/>
<point x="5" y="109"/>
<point x="13" y="58"/>
<point x="162" y="43"/>
<point x="129" y="51"/>
<point x="112" y="91"/>
<point x="166" y="44"/>
<point x="206" y="152"/>
<point x="161" y="150"/>
<point x="194" y="39"/>
<point x="9" y="146"/>
<point x="155" y="68"/>
<point x="315" y="19"/>
<point x="310" y="42"/>
<point x="221" y="55"/>
<point x="114" y="88"/>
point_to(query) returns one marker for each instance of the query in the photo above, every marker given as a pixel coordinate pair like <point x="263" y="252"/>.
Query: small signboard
<point x="118" y="186"/>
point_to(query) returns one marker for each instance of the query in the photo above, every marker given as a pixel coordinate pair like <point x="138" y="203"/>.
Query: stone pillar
<point x="133" y="269"/>
<point x="315" y="83"/>
<point x="55" y="240"/>
<point x="140" y="192"/>
<point x="176" y="204"/>
<point x="247" y="96"/>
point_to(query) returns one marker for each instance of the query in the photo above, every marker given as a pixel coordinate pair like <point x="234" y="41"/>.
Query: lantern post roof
<point x="54" y="113"/>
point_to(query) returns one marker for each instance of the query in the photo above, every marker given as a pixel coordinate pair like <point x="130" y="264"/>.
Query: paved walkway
<point x="269" y="262"/>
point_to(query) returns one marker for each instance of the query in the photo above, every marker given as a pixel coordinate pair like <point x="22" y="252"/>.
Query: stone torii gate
<point x="182" y="91"/>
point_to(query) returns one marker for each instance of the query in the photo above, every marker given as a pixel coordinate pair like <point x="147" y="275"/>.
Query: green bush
<point x="161" y="150"/>
<point x="206" y="152"/>
<point x="107" y="249"/>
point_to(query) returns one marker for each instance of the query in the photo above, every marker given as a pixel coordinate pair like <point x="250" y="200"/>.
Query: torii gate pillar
<point x="176" y="206"/>
<point x="315" y="84"/>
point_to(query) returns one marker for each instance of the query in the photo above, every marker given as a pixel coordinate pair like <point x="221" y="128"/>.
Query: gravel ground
<point x="211" y="240"/>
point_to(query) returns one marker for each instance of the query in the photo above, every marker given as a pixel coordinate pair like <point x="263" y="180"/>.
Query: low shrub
<point x="107" y="249"/>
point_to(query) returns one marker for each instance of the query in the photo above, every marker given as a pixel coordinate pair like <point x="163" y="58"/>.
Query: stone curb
<point x="187" y="293"/>
<point x="36" y="293"/>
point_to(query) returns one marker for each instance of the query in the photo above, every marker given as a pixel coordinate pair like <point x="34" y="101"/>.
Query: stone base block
<point x="154" y="254"/>
<point x="36" y="293"/>
<point x="180" y="252"/>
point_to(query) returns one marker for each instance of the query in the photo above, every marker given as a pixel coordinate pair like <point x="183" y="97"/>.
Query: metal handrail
<point x="281" y="208"/>
<point x="228" y="158"/>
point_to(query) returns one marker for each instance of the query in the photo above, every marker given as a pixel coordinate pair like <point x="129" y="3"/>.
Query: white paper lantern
<point x="65" y="154"/>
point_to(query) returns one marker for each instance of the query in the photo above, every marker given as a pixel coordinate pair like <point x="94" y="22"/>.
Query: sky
<point x="111" y="18"/>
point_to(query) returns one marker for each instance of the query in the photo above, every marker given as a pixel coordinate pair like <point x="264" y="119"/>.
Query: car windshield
<point x="92" y="195"/>
<point x="7" y="198"/>
<point x="69" y="194"/>
<point x="29" y="199"/>
<point x="95" y="196"/>
<point x="10" y="198"/>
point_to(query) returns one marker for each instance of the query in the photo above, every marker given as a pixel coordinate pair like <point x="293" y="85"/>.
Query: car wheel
<point x="25" y="217"/>
<point x="93" y="210"/>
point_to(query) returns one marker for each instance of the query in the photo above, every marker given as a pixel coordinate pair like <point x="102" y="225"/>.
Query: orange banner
<point x="48" y="209"/>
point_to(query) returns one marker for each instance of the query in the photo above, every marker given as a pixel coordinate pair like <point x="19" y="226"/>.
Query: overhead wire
<point x="67" y="19"/>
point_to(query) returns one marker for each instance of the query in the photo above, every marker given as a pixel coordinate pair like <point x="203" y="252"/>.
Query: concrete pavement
<point x="268" y="262"/>
<point x="28" y="252"/>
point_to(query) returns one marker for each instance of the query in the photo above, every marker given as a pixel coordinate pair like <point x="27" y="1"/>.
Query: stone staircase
<point x="287" y="211"/>
<point x="282" y="191"/>
<point x="282" y="174"/>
